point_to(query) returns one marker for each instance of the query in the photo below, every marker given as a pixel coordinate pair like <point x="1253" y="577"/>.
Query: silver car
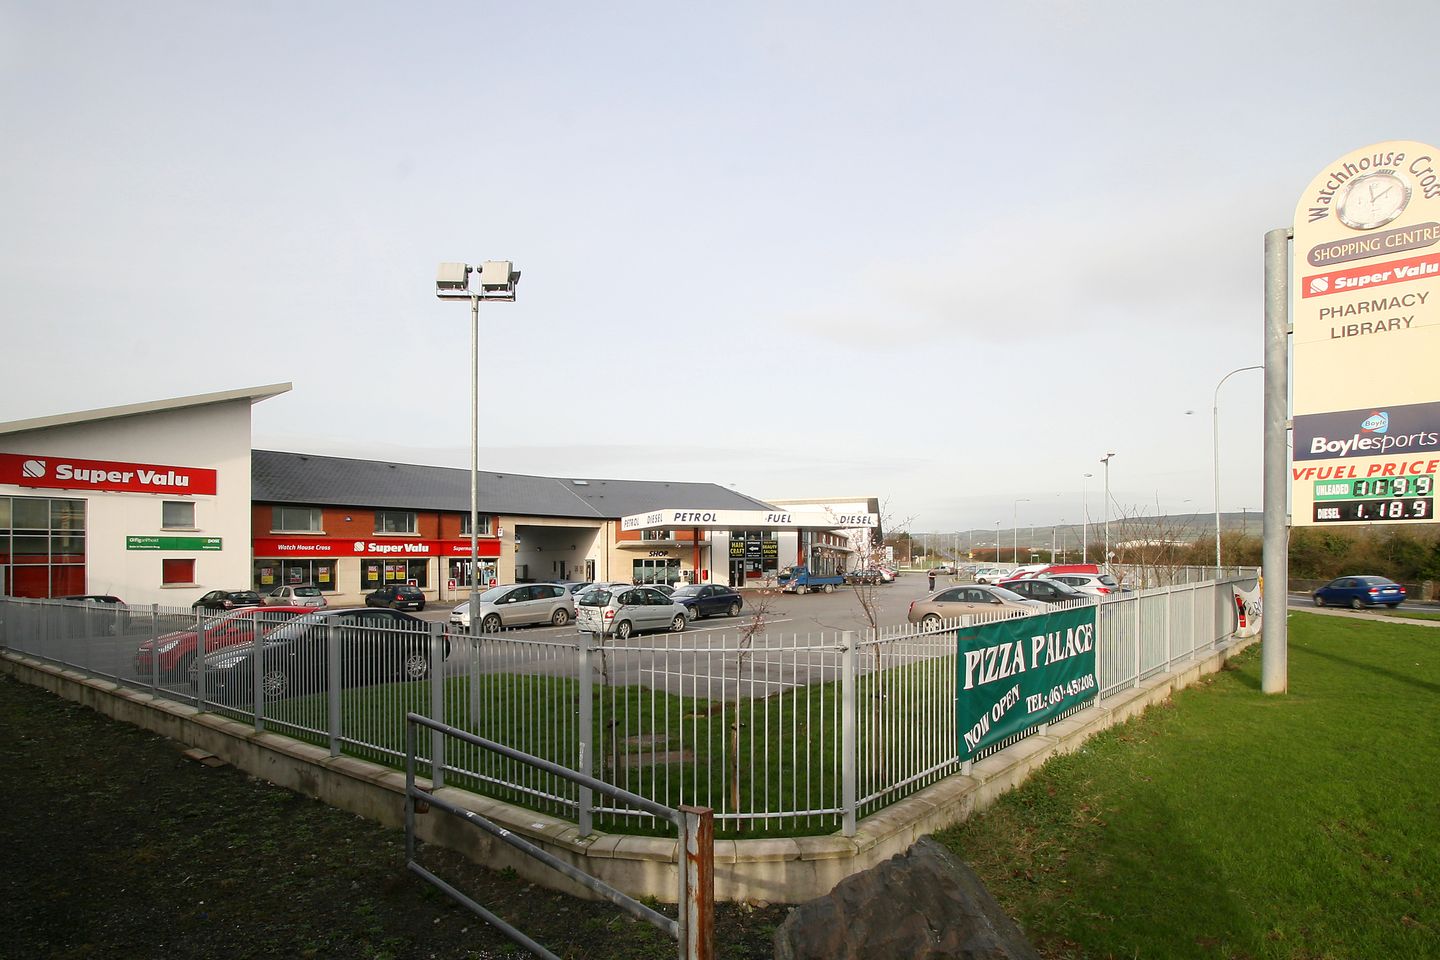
<point x="621" y="611"/>
<point x="516" y="605"/>
<point x="304" y="595"/>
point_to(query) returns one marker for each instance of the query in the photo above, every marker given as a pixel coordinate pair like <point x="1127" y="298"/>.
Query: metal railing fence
<point x="692" y="930"/>
<point x="782" y="734"/>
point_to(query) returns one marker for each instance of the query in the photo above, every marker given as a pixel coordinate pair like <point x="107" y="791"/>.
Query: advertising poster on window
<point x="1015" y="674"/>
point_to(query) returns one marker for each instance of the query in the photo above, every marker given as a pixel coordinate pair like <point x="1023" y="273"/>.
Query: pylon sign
<point x="1365" y="314"/>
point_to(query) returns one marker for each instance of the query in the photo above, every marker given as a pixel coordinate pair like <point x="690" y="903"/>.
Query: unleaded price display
<point x="1375" y="499"/>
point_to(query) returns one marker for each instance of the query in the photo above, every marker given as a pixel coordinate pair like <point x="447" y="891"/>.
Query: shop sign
<point x="1365" y="309"/>
<point x="745" y="519"/>
<point x="737" y="549"/>
<point x="1014" y="674"/>
<point x="330" y="547"/>
<point x="110" y="476"/>
<point x="172" y="543"/>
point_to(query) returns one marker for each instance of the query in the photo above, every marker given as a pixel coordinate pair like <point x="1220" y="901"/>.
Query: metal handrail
<point x="693" y="931"/>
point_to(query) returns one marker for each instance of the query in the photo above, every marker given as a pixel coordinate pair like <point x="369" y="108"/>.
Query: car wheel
<point x="491" y="623"/>
<point x="560" y="617"/>
<point x="1319" y="600"/>
<point x="678" y="624"/>
<point x="735" y="609"/>
<point x="275" y="683"/>
<point x="930" y="621"/>
<point x="623" y="630"/>
<point x="415" y="665"/>
<point x="420" y="608"/>
<point x="801" y="591"/>
<point x="1357" y="604"/>
<point x="829" y="588"/>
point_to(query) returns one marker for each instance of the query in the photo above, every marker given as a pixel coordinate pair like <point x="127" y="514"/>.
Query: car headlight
<point x="168" y="645"/>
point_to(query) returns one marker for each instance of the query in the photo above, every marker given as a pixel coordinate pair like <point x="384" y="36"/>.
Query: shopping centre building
<point x="161" y="502"/>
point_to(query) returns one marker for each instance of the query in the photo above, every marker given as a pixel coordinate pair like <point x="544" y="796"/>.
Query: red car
<point x="176" y="650"/>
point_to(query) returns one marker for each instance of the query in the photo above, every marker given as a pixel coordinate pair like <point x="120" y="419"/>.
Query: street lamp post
<point x="1085" y="518"/>
<point x="1106" y="460"/>
<point x="1215" y="434"/>
<point x="1015" y="529"/>
<point x="497" y="281"/>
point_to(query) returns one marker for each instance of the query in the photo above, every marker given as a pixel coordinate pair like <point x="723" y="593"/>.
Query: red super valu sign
<point x="398" y="548"/>
<point x="111" y="476"/>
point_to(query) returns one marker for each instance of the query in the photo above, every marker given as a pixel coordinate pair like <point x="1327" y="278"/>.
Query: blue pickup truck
<point x="800" y="580"/>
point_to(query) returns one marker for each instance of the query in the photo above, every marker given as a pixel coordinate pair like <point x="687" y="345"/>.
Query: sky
<point x="944" y="254"/>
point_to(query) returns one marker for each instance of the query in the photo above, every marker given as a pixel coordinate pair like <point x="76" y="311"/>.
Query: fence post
<point x="1169" y="639"/>
<point x="849" y="742"/>
<point x="154" y="648"/>
<point x="697" y="884"/>
<point x="332" y="685"/>
<point x="437" y="704"/>
<point x="257" y="655"/>
<point x="200" y="661"/>
<point x="585" y="745"/>
<point x="1138" y="600"/>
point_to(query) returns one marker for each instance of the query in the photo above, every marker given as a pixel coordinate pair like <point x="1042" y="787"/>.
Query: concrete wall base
<point x="778" y="870"/>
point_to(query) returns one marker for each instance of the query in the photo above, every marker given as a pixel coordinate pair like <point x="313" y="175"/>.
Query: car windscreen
<point x="245" y="596"/>
<point x="595" y="598"/>
<point x="297" y="628"/>
<point x="307" y="591"/>
<point x="494" y="593"/>
<point x="687" y="592"/>
<point x="1108" y="580"/>
<point x="1004" y="594"/>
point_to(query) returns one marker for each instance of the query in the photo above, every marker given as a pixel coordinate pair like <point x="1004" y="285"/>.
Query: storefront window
<point x="655" y="535"/>
<point x="42" y="546"/>
<point x="656" y="570"/>
<point x="460" y="573"/>
<point x="759" y="549"/>
<point x="375" y="574"/>
<point x="177" y="571"/>
<point x="270" y="574"/>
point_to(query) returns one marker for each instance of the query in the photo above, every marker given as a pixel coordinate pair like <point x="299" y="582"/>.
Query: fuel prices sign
<point x="1015" y="674"/>
<point x="1365" y="310"/>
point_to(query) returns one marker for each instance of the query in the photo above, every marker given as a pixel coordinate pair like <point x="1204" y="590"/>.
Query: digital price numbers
<point x="1375" y="498"/>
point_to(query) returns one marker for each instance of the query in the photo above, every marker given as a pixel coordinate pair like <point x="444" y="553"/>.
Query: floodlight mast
<point x="497" y="281"/>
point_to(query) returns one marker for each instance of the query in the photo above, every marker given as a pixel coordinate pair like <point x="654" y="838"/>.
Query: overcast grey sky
<point x="947" y="254"/>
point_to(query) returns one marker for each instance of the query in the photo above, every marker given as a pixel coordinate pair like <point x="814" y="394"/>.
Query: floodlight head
<point x="452" y="280"/>
<point x="498" y="279"/>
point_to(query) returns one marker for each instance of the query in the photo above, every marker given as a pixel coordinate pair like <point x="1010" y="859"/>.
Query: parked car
<point x="1045" y="590"/>
<point x="628" y="610"/>
<point x="887" y="574"/>
<point x="176" y="650"/>
<point x="227" y="600"/>
<point x="376" y="646"/>
<point x="867" y="575"/>
<point x="516" y="605"/>
<point x="397" y="597"/>
<point x="945" y="569"/>
<point x="1360" y="592"/>
<point x="305" y="595"/>
<point x="1022" y="572"/>
<point x="990" y="574"/>
<point x="110" y="614"/>
<point x="708" y="600"/>
<point x="1095" y="584"/>
<point x="959" y="601"/>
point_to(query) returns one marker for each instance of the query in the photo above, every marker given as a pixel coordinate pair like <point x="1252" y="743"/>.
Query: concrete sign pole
<point x="1274" y="666"/>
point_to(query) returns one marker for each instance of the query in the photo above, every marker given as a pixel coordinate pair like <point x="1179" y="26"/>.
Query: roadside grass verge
<point x="1412" y="615"/>
<point x="1229" y="823"/>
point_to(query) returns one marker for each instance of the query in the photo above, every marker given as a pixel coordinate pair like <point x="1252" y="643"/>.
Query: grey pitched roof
<point x="303" y="478"/>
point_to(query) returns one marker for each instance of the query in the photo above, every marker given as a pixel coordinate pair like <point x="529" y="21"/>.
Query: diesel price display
<point x="1375" y="499"/>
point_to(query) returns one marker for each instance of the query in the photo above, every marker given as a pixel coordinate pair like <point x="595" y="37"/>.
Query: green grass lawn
<point x="1234" y="824"/>
<point x="1413" y="614"/>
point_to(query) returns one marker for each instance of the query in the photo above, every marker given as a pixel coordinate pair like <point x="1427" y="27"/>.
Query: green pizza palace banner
<point x="1018" y="673"/>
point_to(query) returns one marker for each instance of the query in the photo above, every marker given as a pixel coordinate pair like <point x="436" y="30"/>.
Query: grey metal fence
<point x="776" y="733"/>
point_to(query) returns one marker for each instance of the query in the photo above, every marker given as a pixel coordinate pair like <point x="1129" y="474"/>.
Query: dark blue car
<point x="1360" y="592"/>
<point x="708" y="600"/>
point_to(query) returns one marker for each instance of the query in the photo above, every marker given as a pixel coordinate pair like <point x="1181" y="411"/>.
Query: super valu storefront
<point x="149" y="502"/>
